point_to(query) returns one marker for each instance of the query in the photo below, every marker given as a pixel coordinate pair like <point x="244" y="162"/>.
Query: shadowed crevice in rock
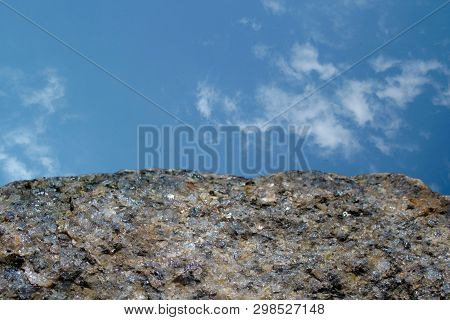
<point x="163" y="234"/>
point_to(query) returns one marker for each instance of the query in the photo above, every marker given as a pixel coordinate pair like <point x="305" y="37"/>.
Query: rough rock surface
<point x="158" y="234"/>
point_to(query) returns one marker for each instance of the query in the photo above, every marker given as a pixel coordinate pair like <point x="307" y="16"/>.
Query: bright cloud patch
<point x="210" y="99"/>
<point x="354" y="97"/>
<point x="48" y="95"/>
<point x="304" y="61"/>
<point x="13" y="168"/>
<point x="24" y="152"/>
<point x="403" y="88"/>
<point x="381" y="63"/>
<point x="317" y="113"/>
<point x="274" y="6"/>
<point x="336" y="116"/>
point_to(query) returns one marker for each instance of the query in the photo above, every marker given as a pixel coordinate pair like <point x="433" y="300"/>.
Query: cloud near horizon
<point x="211" y="101"/>
<point x="24" y="152"/>
<point x="349" y="113"/>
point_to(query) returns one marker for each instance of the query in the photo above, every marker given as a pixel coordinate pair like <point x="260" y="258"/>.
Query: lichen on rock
<point x="167" y="234"/>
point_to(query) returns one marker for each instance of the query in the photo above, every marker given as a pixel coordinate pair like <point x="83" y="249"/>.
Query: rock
<point x="165" y="234"/>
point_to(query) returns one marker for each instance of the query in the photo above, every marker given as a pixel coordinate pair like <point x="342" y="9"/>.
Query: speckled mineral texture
<point x="158" y="234"/>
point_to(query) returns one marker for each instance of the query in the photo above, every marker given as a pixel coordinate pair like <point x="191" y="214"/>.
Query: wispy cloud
<point x="381" y="144"/>
<point x="404" y="87"/>
<point x="13" y="168"/>
<point x="375" y="103"/>
<point x="354" y="112"/>
<point x="275" y="6"/>
<point x="24" y="150"/>
<point x="387" y="147"/>
<point x="381" y="63"/>
<point x="317" y="113"/>
<point x="48" y="95"/>
<point x="206" y="98"/>
<point x="250" y="22"/>
<point x="29" y="140"/>
<point x="304" y="61"/>
<point x="260" y="51"/>
<point x="210" y="99"/>
<point x="333" y="23"/>
<point x="443" y="97"/>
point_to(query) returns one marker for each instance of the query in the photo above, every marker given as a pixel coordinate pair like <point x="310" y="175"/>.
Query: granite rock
<point x="167" y="234"/>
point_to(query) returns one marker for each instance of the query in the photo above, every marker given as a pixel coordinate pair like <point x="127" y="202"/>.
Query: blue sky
<point x="234" y="62"/>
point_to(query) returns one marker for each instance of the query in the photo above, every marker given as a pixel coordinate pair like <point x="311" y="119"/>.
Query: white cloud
<point x="338" y="115"/>
<point x="318" y="113"/>
<point x="442" y="98"/>
<point x="331" y="135"/>
<point x="381" y="145"/>
<point x="335" y="116"/>
<point x="381" y="63"/>
<point x="386" y="145"/>
<point x="25" y="155"/>
<point x="354" y="97"/>
<point x="24" y="150"/>
<point x="403" y="88"/>
<point x="273" y="99"/>
<point x="210" y="99"/>
<point x="303" y="61"/>
<point x="47" y="96"/>
<point x="275" y="6"/>
<point x="29" y="141"/>
<point x="251" y="23"/>
<point x="206" y="98"/>
<point x="260" y="51"/>
<point x="14" y="168"/>
<point x="229" y="104"/>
